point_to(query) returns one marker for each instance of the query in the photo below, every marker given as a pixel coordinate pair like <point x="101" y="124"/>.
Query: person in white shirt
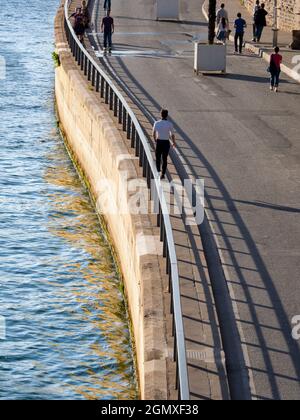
<point x="222" y="13"/>
<point x="163" y="132"/>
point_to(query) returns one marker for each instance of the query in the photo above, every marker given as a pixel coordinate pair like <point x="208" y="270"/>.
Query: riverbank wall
<point x="99" y="148"/>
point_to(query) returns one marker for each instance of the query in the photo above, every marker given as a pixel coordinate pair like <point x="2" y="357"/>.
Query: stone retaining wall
<point x="288" y="18"/>
<point x="99" y="148"/>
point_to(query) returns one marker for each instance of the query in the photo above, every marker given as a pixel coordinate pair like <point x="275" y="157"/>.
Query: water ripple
<point x="66" y="327"/>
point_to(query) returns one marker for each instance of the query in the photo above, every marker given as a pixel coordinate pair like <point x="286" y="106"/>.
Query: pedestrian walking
<point x="107" y="5"/>
<point x="86" y="14"/>
<point x="275" y="69"/>
<point x="222" y="33"/>
<point x="163" y="132"/>
<point x="255" y="9"/>
<point x="260" y="21"/>
<point x="79" y="26"/>
<point x="240" y="24"/>
<point x="222" y="13"/>
<point x="108" y="28"/>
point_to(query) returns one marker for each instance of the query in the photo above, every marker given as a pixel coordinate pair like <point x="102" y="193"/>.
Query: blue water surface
<point x="67" y="333"/>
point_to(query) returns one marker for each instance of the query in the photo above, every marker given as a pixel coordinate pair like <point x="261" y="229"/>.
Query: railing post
<point x="85" y="65"/>
<point x="97" y="81"/>
<point x="93" y="75"/>
<point x="133" y="134"/>
<point x="120" y="112"/>
<point x="124" y="119"/>
<point x="115" y="105"/>
<point x="79" y="56"/>
<point x="102" y="87"/>
<point x="137" y="146"/>
<point x="144" y="163"/>
<point x="128" y="127"/>
<point x="141" y="156"/>
<point x="111" y="99"/>
<point x="89" y="70"/>
<point x="82" y="59"/>
<point x="106" y="92"/>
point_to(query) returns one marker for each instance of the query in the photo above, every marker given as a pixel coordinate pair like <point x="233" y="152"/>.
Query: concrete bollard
<point x="210" y="58"/>
<point x="168" y="9"/>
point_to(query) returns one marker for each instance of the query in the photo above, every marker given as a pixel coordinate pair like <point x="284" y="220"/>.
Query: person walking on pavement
<point x="275" y="69"/>
<point x="163" y="132"/>
<point x="222" y="33"/>
<point x="255" y="9"/>
<point x="240" y="24"/>
<point x="108" y="28"/>
<point x="86" y="14"/>
<point x="107" y="5"/>
<point x="222" y="13"/>
<point x="79" y="26"/>
<point x="260" y="21"/>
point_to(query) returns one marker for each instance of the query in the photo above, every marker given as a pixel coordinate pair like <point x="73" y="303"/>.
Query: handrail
<point x="127" y="118"/>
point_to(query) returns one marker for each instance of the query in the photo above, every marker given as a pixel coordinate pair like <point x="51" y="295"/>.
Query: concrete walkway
<point x="244" y="141"/>
<point x="206" y="363"/>
<point x="291" y="58"/>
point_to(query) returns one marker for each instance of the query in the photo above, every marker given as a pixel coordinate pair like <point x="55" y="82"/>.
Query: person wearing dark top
<point x="108" y="29"/>
<point x="275" y="69"/>
<point x="255" y="9"/>
<point x="260" y="20"/>
<point x="107" y="5"/>
<point x="240" y="24"/>
<point x="79" y="26"/>
<point x="86" y="14"/>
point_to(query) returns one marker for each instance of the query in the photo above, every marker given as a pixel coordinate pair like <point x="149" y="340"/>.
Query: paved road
<point x="244" y="141"/>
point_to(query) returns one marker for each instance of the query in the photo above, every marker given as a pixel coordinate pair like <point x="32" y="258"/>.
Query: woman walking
<point x="275" y="69"/>
<point x="223" y="28"/>
<point x="79" y="26"/>
<point x="86" y="14"/>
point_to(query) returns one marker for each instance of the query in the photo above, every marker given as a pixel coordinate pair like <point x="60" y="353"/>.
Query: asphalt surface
<point x="244" y="141"/>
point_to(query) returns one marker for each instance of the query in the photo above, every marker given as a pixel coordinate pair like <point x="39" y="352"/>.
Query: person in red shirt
<point x="275" y="69"/>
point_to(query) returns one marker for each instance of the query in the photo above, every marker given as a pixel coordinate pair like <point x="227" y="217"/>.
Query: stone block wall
<point x="288" y="14"/>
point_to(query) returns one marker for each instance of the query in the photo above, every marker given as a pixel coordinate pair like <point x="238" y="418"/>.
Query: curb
<point x="259" y="51"/>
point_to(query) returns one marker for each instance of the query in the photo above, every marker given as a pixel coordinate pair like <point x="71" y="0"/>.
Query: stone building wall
<point x="288" y="14"/>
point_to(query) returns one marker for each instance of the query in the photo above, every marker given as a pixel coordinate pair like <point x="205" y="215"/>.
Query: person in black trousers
<point x="240" y="24"/>
<point x="163" y="132"/>
<point x="108" y="28"/>
<point x="107" y="5"/>
<point x="260" y="21"/>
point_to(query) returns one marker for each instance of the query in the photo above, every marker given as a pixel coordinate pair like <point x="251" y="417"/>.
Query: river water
<point x="63" y="327"/>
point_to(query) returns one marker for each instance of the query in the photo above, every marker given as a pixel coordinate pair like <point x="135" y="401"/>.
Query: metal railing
<point x="126" y="117"/>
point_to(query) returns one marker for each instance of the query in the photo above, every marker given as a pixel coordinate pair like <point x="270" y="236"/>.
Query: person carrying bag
<point x="275" y="69"/>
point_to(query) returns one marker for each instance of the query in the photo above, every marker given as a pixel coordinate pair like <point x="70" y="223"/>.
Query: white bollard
<point x="209" y="58"/>
<point x="168" y="9"/>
